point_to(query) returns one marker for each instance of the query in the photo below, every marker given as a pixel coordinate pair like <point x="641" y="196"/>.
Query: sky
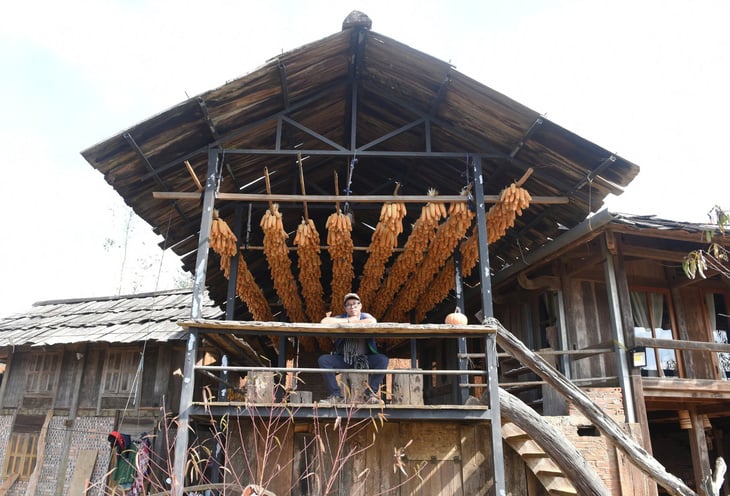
<point x="648" y="80"/>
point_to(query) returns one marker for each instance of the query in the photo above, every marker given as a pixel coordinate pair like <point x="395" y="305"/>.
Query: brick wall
<point x="87" y="433"/>
<point x="611" y="466"/>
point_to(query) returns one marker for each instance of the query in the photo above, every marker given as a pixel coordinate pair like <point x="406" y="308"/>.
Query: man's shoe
<point x="374" y="400"/>
<point x="332" y="400"/>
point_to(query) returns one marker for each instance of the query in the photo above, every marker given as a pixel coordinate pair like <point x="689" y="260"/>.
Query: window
<point x="22" y="451"/>
<point x="42" y="373"/>
<point x="120" y="371"/>
<point x="717" y="308"/>
<point x="653" y="319"/>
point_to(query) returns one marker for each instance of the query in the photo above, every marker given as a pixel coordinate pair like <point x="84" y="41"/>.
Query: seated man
<point x="353" y="353"/>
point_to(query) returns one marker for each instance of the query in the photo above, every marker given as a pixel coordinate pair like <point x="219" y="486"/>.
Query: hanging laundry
<point x="142" y="466"/>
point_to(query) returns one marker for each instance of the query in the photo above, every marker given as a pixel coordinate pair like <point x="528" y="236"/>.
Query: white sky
<point x="648" y="80"/>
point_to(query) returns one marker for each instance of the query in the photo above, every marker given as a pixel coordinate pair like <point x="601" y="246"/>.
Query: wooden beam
<point x="676" y="344"/>
<point x="263" y="197"/>
<point x="685" y="389"/>
<point x="653" y="253"/>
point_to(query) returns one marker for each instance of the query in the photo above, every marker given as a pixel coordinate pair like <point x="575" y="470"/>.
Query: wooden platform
<point x="382" y="329"/>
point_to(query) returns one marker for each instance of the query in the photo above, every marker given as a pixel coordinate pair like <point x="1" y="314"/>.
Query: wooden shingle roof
<point x="111" y="319"/>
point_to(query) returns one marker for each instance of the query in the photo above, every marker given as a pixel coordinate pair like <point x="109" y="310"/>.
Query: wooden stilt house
<point x="356" y="163"/>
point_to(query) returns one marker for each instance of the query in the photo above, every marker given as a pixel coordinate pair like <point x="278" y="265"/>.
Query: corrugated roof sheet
<point x="112" y="319"/>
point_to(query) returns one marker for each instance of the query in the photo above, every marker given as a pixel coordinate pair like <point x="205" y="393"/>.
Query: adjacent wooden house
<point x="323" y="172"/>
<point x="77" y="370"/>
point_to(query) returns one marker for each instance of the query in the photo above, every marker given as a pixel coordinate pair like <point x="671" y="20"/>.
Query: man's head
<point x="351" y="298"/>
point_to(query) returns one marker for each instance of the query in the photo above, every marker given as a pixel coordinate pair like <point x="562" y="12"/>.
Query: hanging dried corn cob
<point x="310" y="278"/>
<point x="422" y="233"/>
<point x="445" y="281"/>
<point x="501" y="216"/>
<point x="223" y="242"/>
<point x="437" y="291"/>
<point x="251" y="294"/>
<point x="513" y="200"/>
<point x="339" y="246"/>
<point x="441" y="248"/>
<point x="277" y="256"/>
<point x="310" y="274"/>
<point x="382" y="242"/>
<point x="470" y="252"/>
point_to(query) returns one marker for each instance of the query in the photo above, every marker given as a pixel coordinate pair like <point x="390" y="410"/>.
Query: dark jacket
<point x="372" y="347"/>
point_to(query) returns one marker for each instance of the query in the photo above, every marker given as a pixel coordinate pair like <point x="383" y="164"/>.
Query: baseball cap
<point x="350" y="296"/>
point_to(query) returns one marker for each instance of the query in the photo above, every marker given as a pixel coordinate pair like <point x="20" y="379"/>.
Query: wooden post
<point x="698" y="447"/>
<point x="614" y="308"/>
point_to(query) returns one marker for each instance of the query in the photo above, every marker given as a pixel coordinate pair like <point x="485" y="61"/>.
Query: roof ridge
<point x="113" y="297"/>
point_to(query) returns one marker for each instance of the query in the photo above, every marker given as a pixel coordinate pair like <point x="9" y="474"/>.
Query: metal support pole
<point x="196" y="312"/>
<point x="460" y="393"/>
<point x="490" y="345"/>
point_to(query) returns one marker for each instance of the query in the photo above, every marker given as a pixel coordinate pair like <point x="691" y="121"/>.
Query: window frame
<point x="667" y="294"/>
<point x="128" y="366"/>
<point x="44" y="372"/>
<point x="22" y="448"/>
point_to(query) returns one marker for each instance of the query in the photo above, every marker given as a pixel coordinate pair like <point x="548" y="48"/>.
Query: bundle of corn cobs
<point x="310" y="274"/>
<point x="384" y="239"/>
<point x="277" y="256"/>
<point x="251" y="294"/>
<point x="340" y="246"/>
<point x="447" y="237"/>
<point x="223" y="242"/>
<point x="445" y="281"/>
<point x="512" y="201"/>
<point x="422" y="234"/>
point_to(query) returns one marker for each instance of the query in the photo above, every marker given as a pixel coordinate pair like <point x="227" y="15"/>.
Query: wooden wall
<point x="441" y="459"/>
<point x="158" y="381"/>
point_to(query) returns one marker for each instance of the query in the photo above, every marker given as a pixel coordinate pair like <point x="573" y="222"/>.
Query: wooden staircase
<point x="539" y="462"/>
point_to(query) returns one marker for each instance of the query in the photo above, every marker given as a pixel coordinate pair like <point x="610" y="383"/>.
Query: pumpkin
<point x="456" y="318"/>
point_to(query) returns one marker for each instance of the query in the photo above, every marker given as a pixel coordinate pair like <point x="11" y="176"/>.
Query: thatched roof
<point x="406" y="117"/>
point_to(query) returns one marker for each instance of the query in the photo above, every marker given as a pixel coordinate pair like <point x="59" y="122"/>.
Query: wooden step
<point x="544" y="465"/>
<point x="526" y="447"/>
<point x="558" y="485"/>
<point x="510" y="431"/>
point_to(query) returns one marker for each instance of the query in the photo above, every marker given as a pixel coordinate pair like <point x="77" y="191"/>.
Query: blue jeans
<point x="375" y="361"/>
